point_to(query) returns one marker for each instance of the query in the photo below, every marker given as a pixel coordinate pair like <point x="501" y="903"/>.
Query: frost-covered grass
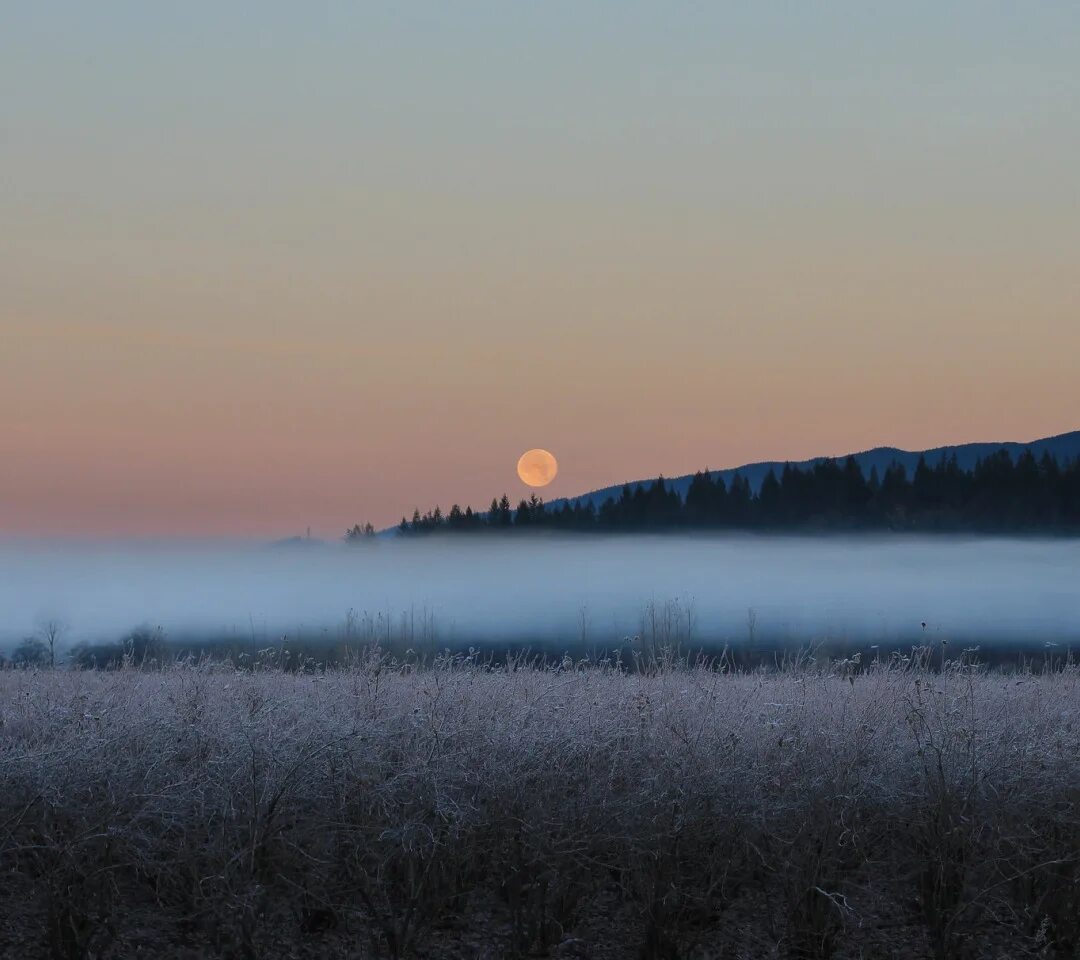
<point x="457" y="810"/>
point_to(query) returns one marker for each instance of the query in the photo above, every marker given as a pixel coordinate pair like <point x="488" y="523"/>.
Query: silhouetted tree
<point x="505" y="514"/>
<point x="857" y="492"/>
<point x="705" y="500"/>
<point x="739" y="502"/>
<point x="770" y="503"/>
<point x="50" y="632"/>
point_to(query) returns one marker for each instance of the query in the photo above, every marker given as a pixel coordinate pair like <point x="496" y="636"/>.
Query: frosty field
<point x="461" y="810"/>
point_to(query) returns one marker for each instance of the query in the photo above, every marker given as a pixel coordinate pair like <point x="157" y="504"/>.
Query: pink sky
<point x="325" y="273"/>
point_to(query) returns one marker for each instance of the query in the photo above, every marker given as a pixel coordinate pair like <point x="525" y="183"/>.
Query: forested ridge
<point x="999" y="494"/>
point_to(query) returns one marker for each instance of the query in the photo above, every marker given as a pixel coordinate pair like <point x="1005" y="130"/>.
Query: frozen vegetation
<point x="465" y="810"/>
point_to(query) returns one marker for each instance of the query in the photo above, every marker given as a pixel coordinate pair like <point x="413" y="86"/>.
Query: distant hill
<point x="1064" y="447"/>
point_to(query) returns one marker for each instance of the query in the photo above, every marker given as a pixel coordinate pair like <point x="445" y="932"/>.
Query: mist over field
<point x="548" y="589"/>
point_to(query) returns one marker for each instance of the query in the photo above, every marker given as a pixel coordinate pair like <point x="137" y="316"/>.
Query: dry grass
<point x="460" y="811"/>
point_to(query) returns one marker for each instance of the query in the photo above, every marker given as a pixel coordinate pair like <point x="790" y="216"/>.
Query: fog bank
<point x="867" y="589"/>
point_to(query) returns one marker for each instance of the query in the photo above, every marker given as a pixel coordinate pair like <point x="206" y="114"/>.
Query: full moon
<point x="537" y="467"/>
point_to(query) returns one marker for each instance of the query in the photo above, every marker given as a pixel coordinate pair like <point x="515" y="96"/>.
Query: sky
<point x="269" y="266"/>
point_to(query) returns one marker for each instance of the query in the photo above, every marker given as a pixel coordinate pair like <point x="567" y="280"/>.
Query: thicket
<point x="465" y="809"/>
<point x="997" y="494"/>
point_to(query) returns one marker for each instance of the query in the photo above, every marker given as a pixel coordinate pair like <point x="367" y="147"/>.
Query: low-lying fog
<point x="864" y="589"/>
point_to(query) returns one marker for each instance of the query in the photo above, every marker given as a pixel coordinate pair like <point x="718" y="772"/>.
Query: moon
<point x="537" y="467"/>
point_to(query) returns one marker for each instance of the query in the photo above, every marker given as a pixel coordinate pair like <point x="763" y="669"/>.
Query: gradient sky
<point x="268" y="265"/>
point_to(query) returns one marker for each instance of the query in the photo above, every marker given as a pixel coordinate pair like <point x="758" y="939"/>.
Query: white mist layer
<point x="864" y="589"/>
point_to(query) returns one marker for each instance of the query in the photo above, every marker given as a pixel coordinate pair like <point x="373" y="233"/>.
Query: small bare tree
<point x="51" y="631"/>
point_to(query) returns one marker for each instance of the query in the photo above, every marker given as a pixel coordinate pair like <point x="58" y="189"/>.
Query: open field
<point x="456" y="811"/>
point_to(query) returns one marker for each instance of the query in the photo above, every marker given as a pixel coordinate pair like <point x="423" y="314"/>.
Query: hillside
<point x="1065" y="446"/>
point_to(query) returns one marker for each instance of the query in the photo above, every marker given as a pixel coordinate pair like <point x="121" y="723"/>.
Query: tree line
<point x="997" y="494"/>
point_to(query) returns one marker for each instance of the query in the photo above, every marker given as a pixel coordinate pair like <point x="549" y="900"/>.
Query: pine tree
<point x="739" y="500"/>
<point x="699" y="497"/>
<point x="857" y="492"/>
<point x="769" y="500"/>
